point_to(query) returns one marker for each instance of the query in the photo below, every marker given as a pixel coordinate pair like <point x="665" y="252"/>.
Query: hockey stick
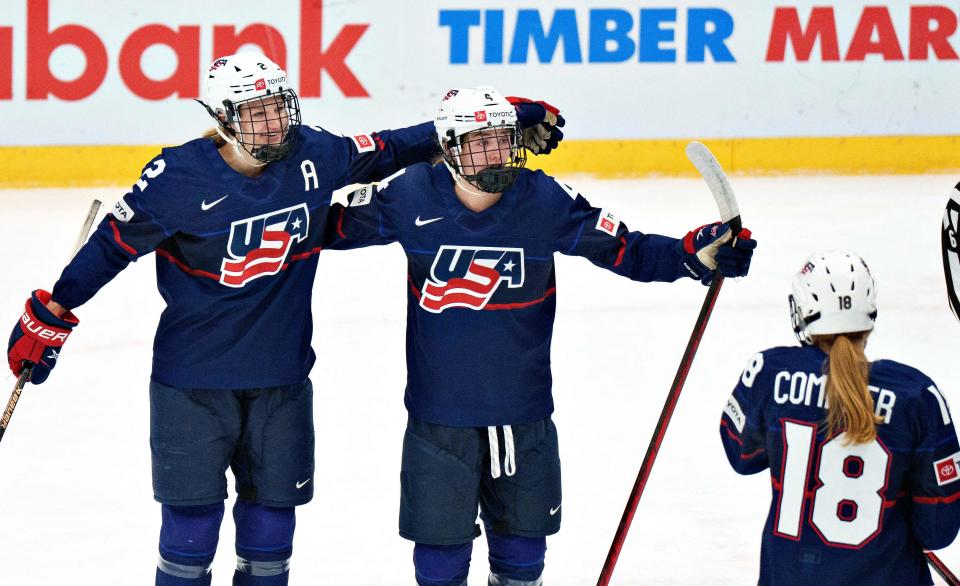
<point x="28" y="370"/>
<point x="940" y="568"/>
<point x="707" y="165"/>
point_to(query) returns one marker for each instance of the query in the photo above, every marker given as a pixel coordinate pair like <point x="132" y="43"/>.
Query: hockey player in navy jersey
<point x="236" y="220"/>
<point x="862" y="455"/>
<point x="480" y="232"/>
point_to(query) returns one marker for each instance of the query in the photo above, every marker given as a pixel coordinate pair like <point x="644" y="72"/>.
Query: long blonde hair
<point x="213" y="135"/>
<point x="850" y="405"/>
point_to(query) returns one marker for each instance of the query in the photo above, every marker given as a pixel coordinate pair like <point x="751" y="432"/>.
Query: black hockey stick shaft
<point x="668" y="407"/>
<point x="941" y="568"/>
<point x="28" y="369"/>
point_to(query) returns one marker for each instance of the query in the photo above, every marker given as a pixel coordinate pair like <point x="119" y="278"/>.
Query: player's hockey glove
<point x="37" y="338"/>
<point x="706" y="248"/>
<point x="540" y="124"/>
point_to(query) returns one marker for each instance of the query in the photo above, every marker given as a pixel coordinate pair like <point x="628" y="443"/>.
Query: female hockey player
<point x="236" y="220"/>
<point x="862" y="455"/>
<point x="479" y="233"/>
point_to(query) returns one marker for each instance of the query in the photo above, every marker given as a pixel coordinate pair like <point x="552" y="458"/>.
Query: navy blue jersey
<point x="845" y="514"/>
<point x="482" y="286"/>
<point x="236" y="255"/>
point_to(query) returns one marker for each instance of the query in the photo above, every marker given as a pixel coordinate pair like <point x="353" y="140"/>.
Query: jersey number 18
<point x="847" y="496"/>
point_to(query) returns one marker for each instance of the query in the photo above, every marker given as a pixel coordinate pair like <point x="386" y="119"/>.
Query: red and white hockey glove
<point x="540" y="124"/>
<point x="705" y="249"/>
<point x="37" y="338"/>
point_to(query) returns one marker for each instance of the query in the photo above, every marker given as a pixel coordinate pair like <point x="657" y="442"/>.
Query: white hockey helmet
<point x="467" y="110"/>
<point x="834" y="293"/>
<point x="251" y="79"/>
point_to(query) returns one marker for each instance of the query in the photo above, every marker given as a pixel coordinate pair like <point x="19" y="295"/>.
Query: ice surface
<point x="75" y="497"/>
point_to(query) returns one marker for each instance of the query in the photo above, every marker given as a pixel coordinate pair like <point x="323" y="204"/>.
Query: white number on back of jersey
<point x="751" y="370"/>
<point x="151" y="173"/>
<point x="848" y="498"/>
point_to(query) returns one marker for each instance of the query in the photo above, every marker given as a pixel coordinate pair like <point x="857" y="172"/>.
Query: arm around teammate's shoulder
<point x="363" y="215"/>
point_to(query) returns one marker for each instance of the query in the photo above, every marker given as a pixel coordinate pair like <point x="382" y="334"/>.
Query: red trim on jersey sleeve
<point x="116" y="236"/>
<point x="522" y="304"/>
<point x="413" y="288"/>
<point x="340" y="225"/>
<point x="623" y="250"/>
<point x="734" y="437"/>
<point x="726" y="428"/>
<point x="936" y="500"/>
<point x="304" y="255"/>
<point x="183" y="267"/>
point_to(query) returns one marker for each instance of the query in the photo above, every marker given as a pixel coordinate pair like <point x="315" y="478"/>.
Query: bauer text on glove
<point x="37" y="338"/>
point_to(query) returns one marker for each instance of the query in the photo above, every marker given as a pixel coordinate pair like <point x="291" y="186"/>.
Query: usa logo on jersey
<point x="468" y="276"/>
<point x="259" y="246"/>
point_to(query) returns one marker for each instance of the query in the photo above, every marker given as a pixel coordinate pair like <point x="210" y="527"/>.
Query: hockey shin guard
<point x="264" y="544"/>
<point x="442" y="565"/>
<point x="515" y="560"/>
<point x="188" y="542"/>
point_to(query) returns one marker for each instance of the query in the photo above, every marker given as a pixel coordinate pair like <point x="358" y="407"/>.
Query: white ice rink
<point x="76" y="505"/>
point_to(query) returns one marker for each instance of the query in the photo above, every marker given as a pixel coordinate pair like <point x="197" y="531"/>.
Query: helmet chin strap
<point x="241" y="152"/>
<point x="469" y="187"/>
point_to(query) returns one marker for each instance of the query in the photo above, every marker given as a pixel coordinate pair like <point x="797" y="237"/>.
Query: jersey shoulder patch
<point x="364" y="143"/>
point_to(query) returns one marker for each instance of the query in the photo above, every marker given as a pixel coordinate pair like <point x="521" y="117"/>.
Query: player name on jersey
<point x="799" y="388"/>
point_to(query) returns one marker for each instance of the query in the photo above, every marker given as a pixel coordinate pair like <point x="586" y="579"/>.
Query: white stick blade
<point x="716" y="179"/>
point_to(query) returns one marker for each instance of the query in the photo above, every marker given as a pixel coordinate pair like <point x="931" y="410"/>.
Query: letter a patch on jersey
<point x="946" y="469"/>
<point x="259" y="246"/>
<point x="468" y="276"/>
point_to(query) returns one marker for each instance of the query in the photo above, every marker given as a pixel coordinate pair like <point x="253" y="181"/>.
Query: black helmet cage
<point x="491" y="179"/>
<point x="251" y="141"/>
<point x="799" y="322"/>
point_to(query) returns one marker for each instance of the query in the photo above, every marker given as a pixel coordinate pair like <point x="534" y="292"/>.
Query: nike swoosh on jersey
<point x="206" y="206"/>
<point x="302" y="484"/>
<point x="554" y="511"/>
<point x="420" y="222"/>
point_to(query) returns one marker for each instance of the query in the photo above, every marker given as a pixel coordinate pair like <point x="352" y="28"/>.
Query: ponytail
<point x="850" y="406"/>
<point x="213" y="135"/>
